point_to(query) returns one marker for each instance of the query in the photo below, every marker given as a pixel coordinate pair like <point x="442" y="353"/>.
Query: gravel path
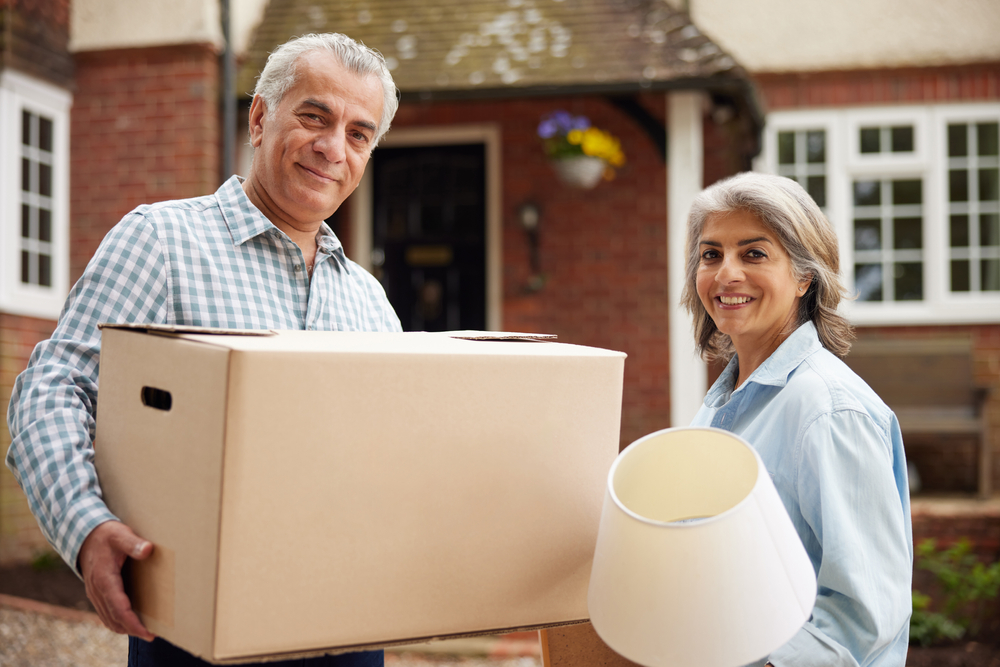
<point x="33" y="634"/>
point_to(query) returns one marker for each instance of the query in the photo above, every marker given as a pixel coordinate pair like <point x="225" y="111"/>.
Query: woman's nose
<point x="729" y="271"/>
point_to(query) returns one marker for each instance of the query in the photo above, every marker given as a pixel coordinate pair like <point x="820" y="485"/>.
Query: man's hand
<point x="101" y="558"/>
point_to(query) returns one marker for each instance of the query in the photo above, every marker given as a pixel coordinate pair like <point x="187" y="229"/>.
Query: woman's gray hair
<point x="787" y="210"/>
<point x="279" y="72"/>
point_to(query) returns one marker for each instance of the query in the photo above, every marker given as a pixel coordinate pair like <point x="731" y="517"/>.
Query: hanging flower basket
<point x="580" y="153"/>
<point x="581" y="171"/>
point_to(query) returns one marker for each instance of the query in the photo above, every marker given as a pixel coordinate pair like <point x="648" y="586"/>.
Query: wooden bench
<point x="930" y="385"/>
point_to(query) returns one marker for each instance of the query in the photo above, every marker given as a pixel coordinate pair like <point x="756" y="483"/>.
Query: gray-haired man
<point x="254" y="255"/>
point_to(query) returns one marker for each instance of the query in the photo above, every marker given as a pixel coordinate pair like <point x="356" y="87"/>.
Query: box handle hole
<point x="156" y="398"/>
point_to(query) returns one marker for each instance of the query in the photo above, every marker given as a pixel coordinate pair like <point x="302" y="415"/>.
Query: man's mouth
<point x="317" y="173"/>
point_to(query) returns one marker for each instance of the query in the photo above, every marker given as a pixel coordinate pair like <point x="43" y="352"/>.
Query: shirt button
<point x="298" y="267"/>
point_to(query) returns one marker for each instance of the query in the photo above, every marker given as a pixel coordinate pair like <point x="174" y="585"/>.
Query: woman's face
<point x="746" y="283"/>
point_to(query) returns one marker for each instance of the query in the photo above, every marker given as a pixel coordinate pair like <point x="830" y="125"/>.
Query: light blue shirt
<point x="835" y="453"/>
<point x="213" y="261"/>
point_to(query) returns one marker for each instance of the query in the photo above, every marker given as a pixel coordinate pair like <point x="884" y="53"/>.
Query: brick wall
<point x="145" y="127"/>
<point x="34" y="38"/>
<point x="603" y="251"/>
<point x="965" y="83"/>
<point x="20" y="538"/>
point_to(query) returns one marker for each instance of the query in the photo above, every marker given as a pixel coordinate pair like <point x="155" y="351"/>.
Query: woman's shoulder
<point x="824" y="378"/>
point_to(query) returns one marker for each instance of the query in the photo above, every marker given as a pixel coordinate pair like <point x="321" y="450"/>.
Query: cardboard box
<point x="312" y="492"/>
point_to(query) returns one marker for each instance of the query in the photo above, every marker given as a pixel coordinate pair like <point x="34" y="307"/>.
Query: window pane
<point x="869" y="140"/>
<point x="25" y="221"/>
<point x="25" y="174"/>
<point x="902" y="140"/>
<point x="958" y="144"/>
<point x="45" y="225"/>
<point x="907" y="192"/>
<point x="45" y="271"/>
<point x="867" y="193"/>
<point x="25" y="267"/>
<point x="907" y="233"/>
<point x="989" y="184"/>
<point x="989" y="230"/>
<point x="958" y="185"/>
<point x="867" y="235"/>
<point x="987" y="139"/>
<point x="868" y="281"/>
<point x="991" y="275"/>
<point x="45" y="180"/>
<point x="786" y="148"/>
<point x="816" y="187"/>
<point x="909" y="281"/>
<point x="960" y="275"/>
<point x="26" y="127"/>
<point x="45" y="134"/>
<point x="816" y="146"/>
<point x="959" y="231"/>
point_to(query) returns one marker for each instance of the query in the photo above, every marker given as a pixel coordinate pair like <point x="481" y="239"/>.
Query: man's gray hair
<point x="279" y="73"/>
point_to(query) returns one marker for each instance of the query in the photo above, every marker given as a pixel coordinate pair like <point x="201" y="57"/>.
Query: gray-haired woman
<point x="762" y="284"/>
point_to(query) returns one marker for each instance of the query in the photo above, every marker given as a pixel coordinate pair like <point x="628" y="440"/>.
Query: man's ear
<point x="258" y="112"/>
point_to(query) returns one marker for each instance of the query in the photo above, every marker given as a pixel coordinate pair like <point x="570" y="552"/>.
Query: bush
<point x="966" y="582"/>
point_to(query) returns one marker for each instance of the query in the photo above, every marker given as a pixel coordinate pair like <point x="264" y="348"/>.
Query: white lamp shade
<point x="697" y="561"/>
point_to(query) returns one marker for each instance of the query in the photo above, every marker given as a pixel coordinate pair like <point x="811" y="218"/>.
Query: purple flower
<point x="561" y="122"/>
<point x="547" y="128"/>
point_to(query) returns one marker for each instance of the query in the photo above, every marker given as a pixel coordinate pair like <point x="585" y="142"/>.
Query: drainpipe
<point x="228" y="95"/>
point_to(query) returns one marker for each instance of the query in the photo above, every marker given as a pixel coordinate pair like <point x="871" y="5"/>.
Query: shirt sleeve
<point x="53" y="407"/>
<point x="849" y="497"/>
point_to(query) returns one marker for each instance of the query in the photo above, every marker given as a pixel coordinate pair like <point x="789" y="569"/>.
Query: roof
<point x="491" y="48"/>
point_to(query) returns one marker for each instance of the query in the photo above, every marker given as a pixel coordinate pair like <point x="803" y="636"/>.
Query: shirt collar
<point x="245" y="221"/>
<point x="775" y="369"/>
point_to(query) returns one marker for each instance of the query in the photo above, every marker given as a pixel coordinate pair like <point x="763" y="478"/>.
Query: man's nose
<point x="333" y="146"/>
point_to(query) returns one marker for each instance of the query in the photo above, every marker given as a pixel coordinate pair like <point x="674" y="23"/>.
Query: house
<point x="889" y="113"/>
<point x="460" y="213"/>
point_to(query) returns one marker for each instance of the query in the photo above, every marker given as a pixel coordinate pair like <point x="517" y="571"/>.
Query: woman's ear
<point x="805" y="283"/>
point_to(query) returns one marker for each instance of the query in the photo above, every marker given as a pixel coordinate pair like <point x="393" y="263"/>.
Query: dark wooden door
<point x="429" y="240"/>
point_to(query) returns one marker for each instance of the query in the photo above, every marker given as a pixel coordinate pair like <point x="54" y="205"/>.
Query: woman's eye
<point x="756" y="254"/>
<point x="709" y="254"/>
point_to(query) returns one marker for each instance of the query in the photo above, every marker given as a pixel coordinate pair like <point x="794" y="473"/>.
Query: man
<point x="256" y="254"/>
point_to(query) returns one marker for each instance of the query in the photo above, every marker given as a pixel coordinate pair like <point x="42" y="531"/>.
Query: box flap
<point x="497" y="335"/>
<point x="185" y="329"/>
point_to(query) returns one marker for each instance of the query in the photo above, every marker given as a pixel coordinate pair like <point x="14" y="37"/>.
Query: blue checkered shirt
<point x="212" y="261"/>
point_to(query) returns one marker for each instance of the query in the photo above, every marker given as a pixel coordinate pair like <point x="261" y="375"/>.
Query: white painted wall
<point x="810" y="35"/>
<point x="115" y="24"/>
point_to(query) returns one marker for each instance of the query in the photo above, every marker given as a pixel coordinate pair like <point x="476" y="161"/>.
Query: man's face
<point x="312" y="150"/>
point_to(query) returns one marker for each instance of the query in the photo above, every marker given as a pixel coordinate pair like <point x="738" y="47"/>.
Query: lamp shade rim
<point x="682" y="524"/>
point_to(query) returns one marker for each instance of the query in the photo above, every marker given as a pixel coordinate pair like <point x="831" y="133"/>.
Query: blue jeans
<point x="160" y="653"/>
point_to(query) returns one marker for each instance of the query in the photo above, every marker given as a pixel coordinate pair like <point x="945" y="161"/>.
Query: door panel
<point x="429" y="237"/>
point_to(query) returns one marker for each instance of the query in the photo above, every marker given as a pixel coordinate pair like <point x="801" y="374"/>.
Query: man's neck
<point x="303" y="235"/>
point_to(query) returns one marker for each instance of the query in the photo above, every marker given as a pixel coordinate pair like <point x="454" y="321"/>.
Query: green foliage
<point x="965" y="580"/>
<point x="46" y="560"/>
<point x="928" y="627"/>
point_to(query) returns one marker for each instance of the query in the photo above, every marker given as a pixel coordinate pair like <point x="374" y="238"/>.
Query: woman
<point x="762" y="284"/>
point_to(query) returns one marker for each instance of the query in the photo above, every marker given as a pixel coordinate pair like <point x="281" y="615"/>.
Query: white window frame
<point x="19" y="92"/>
<point x="929" y="162"/>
